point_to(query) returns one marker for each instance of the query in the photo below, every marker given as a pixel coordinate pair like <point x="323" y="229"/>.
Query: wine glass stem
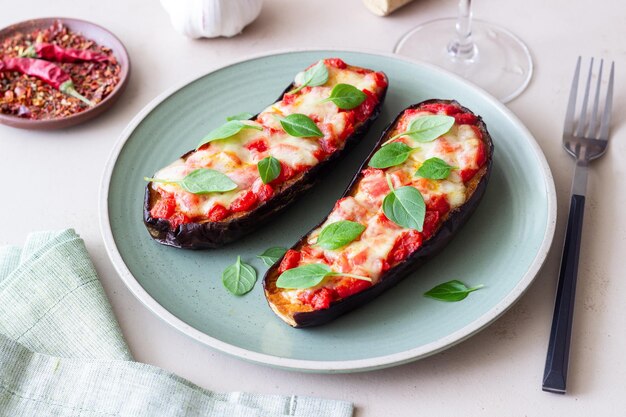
<point x="462" y="47"/>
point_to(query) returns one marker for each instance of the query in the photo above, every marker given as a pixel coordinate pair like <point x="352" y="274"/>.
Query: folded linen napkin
<point x="62" y="353"/>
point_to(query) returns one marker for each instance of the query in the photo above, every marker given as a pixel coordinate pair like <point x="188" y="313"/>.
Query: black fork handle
<point x="555" y="373"/>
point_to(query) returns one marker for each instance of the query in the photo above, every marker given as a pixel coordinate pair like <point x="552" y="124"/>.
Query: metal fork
<point x="585" y="141"/>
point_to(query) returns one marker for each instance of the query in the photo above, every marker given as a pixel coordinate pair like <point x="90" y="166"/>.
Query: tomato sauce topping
<point x="289" y="98"/>
<point x="438" y="203"/>
<point x="263" y="191"/>
<point x="217" y="212"/>
<point x="351" y="286"/>
<point x="404" y="246"/>
<point x="290" y="260"/>
<point x="258" y="145"/>
<point x="318" y="299"/>
<point x="177" y="219"/>
<point x="381" y="80"/>
<point x="365" y="109"/>
<point x="336" y="62"/>
<point x="164" y="208"/>
<point x="441" y="108"/>
<point x="246" y="201"/>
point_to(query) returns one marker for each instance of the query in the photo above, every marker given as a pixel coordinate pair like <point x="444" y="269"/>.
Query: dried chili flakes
<point x="31" y="98"/>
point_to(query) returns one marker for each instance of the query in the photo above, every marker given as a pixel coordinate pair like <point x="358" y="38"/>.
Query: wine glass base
<point x="501" y="63"/>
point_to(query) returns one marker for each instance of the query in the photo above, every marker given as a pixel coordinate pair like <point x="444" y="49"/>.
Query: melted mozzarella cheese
<point x="294" y="151"/>
<point x="175" y="171"/>
<point x="366" y="255"/>
<point x="312" y="104"/>
<point x="454" y="192"/>
<point x="337" y="76"/>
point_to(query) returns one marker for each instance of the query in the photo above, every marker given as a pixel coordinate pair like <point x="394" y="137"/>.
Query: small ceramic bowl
<point x="92" y="31"/>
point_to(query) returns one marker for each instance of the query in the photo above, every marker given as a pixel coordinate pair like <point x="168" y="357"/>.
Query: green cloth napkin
<point x="62" y="353"/>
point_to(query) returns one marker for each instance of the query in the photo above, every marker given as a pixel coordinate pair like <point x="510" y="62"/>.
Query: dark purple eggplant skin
<point x="431" y="247"/>
<point x="211" y="235"/>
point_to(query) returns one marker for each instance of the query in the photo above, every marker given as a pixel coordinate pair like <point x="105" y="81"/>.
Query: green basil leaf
<point x="429" y="128"/>
<point x="391" y="155"/>
<point x="201" y="181"/>
<point x="271" y="255"/>
<point x="314" y="76"/>
<point x="305" y="276"/>
<point x="240" y="116"/>
<point x="310" y="275"/>
<point x="269" y="169"/>
<point x="300" y="126"/>
<point x="405" y="207"/>
<point x="339" y="234"/>
<point x="204" y="181"/>
<point x="451" y="291"/>
<point x="317" y="74"/>
<point x="227" y="130"/>
<point x="435" y="169"/>
<point x="346" y="96"/>
<point x="239" y="278"/>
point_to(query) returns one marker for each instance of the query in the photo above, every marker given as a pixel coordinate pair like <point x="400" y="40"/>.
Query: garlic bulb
<point x="211" y="18"/>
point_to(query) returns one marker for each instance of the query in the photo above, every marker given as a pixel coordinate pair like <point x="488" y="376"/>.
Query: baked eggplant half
<point x="419" y="185"/>
<point x="248" y="170"/>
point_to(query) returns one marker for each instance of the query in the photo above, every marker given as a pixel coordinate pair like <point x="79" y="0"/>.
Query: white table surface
<point x="50" y="181"/>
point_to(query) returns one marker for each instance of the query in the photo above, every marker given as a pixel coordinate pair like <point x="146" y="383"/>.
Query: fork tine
<point x="571" y="104"/>
<point x="582" y="120"/>
<point x="596" y="100"/>
<point x="606" y="116"/>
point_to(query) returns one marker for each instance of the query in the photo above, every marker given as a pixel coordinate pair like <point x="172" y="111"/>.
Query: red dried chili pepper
<point x="46" y="71"/>
<point x="52" y="52"/>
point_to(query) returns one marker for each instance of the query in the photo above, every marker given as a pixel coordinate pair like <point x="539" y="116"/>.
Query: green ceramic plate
<point x="502" y="246"/>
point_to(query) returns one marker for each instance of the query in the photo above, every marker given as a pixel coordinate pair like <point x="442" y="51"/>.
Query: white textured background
<point x="50" y="181"/>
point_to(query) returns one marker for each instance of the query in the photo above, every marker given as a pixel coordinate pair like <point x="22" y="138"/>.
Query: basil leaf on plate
<point x="339" y="234"/>
<point x="271" y="255"/>
<point x="202" y="181"/>
<point x="228" y="129"/>
<point x="269" y="169"/>
<point x="301" y="126"/>
<point x="451" y="291"/>
<point x="239" y="278"/>
<point x="435" y="169"/>
<point x="391" y="155"/>
<point x="346" y="96"/>
<point x="314" y="76"/>
<point x="405" y="207"/>
<point x="240" y="116"/>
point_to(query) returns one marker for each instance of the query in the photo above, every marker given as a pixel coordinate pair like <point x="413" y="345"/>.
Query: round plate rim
<point x="51" y="124"/>
<point x="357" y="365"/>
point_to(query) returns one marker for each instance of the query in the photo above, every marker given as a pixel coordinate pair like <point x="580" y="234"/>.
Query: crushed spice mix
<point x="31" y="98"/>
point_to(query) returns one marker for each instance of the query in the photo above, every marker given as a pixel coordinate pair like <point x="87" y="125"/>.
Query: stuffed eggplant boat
<point x="421" y="183"/>
<point x="252" y="167"/>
